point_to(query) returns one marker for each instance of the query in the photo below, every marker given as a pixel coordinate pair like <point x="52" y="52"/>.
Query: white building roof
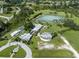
<point x="25" y="36"/>
<point x="15" y="33"/>
<point x="37" y="27"/>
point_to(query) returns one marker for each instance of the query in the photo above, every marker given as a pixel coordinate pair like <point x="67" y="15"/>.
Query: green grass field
<point x="3" y="42"/>
<point x="51" y="53"/>
<point x="73" y="38"/>
<point x="6" y="52"/>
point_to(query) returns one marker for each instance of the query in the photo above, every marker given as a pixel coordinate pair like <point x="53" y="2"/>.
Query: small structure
<point x="15" y="33"/>
<point x="25" y="37"/>
<point x="46" y="36"/>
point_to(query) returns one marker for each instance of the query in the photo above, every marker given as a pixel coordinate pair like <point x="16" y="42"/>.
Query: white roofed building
<point x="15" y="33"/>
<point x="36" y="28"/>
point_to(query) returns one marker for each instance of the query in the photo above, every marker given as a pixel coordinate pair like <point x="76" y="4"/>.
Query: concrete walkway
<point x="69" y="47"/>
<point x="12" y="55"/>
<point x="22" y="45"/>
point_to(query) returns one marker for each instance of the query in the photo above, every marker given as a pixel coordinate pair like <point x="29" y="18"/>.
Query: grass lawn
<point x="6" y="15"/>
<point x="56" y="41"/>
<point x="20" y="54"/>
<point x="73" y="38"/>
<point x="51" y="53"/>
<point x="76" y="20"/>
<point x="3" y="42"/>
<point x="6" y="52"/>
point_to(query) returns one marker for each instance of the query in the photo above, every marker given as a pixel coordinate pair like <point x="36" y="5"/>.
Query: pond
<point x="49" y="18"/>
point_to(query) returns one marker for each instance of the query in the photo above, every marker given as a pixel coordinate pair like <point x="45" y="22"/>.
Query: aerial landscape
<point x="39" y="28"/>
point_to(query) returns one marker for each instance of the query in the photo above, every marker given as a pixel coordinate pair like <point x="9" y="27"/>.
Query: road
<point x="22" y="45"/>
<point x="70" y="48"/>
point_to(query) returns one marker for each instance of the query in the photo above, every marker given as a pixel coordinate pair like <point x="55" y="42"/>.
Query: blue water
<point x="49" y="18"/>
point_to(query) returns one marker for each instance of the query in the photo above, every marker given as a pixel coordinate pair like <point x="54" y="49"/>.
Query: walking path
<point x="12" y="55"/>
<point x="69" y="47"/>
<point x="22" y="45"/>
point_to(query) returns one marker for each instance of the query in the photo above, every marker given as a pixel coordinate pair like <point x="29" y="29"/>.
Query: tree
<point x="26" y="11"/>
<point x="71" y="24"/>
<point x="13" y="1"/>
<point x="2" y="26"/>
<point x="37" y="1"/>
<point x="28" y="25"/>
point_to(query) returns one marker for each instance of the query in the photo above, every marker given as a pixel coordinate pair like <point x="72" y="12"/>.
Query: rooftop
<point x="37" y="27"/>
